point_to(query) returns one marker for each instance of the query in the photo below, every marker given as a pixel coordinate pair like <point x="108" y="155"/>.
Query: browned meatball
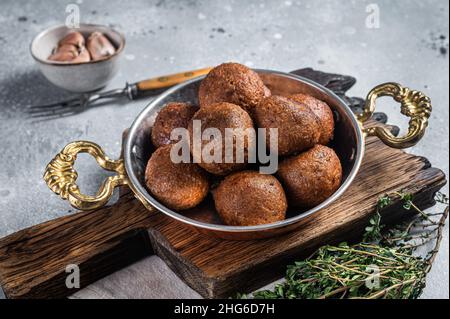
<point x="323" y="113"/>
<point x="298" y="127"/>
<point x="250" y="198"/>
<point x="311" y="177"/>
<point x="178" y="186"/>
<point x="221" y="116"/>
<point x="171" y="116"/>
<point x="233" y="83"/>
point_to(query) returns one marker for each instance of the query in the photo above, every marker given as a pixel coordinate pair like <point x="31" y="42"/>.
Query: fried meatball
<point x="178" y="186"/>
<point x="311" y="177"/>
<point x="171" y="116"/>
<point x="233" y="83"/>
<point x="323" y="113"/>
<point x="298" y="127"/>
<point x="221" y="116"/>
<point x="250" y="198"/>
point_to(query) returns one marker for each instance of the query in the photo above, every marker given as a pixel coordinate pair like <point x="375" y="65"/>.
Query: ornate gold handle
<point x="61" y="176"/>
<point x="414" y="104"/>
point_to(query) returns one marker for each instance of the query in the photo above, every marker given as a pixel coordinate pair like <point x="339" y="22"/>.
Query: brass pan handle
<point x="61" y="176"/>
<point x="414" y="104"/>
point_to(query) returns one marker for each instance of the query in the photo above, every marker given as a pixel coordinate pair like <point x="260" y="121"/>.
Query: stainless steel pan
<point x="348" y="144"/>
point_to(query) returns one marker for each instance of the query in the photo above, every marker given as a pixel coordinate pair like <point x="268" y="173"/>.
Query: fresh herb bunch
<point x="358" y="271"/>
<point x="384" y="265"/>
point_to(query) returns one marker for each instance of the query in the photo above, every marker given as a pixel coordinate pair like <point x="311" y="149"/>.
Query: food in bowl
<point x="99" y="46"/>
<point x="310" y="177"/>
<point x="249" y="198"/>
<point x="72" y="48"/>
<point x="298" y="126"/>
<point x="72" y="75"/>
<point x="74" y="38"/>
<point x="179" y="186"/>
<point x="308" y="174"/>
<point x="234" y="83"/>
<point x="323" y="113"/>
<point x="221" y="116"/>
<point x="173" y="115"/>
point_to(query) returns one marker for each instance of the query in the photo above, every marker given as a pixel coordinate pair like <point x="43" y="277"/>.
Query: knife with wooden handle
<point x="162" y="82"/>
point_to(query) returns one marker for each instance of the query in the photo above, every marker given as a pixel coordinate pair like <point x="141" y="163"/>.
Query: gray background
<point x="172" y="36"/>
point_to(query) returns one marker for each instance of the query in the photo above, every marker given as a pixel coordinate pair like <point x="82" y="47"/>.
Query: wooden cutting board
<point x="33" y="261"/>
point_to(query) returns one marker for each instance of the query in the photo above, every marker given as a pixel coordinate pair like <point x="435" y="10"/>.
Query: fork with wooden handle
<point x="132" y="91"/>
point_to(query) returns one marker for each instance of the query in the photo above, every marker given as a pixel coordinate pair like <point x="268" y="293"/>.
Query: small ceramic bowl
<point x="76" y="77"/>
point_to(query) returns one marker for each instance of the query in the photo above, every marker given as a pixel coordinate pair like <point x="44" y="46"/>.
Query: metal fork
<point x="131" y="91"/>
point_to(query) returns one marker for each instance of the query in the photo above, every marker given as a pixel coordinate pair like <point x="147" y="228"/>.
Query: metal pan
<point x="348" y="143"/>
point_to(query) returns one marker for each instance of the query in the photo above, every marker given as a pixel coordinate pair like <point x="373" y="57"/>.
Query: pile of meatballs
<point x="234" y="96"/>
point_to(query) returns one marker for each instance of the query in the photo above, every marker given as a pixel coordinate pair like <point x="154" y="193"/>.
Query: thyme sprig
<point x="383" y="265"/>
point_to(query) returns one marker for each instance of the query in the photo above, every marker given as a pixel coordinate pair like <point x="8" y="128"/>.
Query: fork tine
<point x="52" y="109"/>
<point x="61" y="109"/>
<point x="60" y="113"/>
<point x="66" y="103"/>
<point x="55" y="110"/>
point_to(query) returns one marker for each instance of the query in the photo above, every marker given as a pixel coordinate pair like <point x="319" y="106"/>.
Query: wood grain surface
<point x="33" y="261"/>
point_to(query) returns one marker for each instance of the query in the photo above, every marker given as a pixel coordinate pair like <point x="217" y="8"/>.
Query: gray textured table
<point x="170" y="36"/>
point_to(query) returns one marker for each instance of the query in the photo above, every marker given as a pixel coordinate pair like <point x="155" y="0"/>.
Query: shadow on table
<point x="29" y="88"/>
<point x="32" y="88"/>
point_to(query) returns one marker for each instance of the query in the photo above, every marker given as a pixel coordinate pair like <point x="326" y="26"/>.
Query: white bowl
<point x="76" y="77"/>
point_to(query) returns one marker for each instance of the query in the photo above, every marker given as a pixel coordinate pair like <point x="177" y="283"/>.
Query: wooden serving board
<point x="33" y="261"/>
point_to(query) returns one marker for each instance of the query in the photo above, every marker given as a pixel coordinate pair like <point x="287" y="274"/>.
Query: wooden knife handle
<point x="163" y="82"/>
